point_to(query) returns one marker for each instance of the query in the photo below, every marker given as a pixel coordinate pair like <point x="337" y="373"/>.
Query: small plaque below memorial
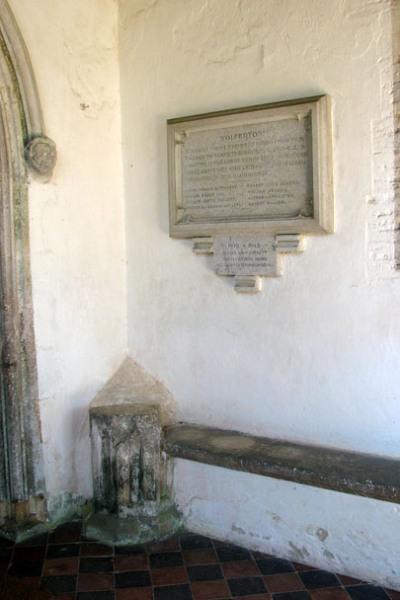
<point x="245" y="255"/>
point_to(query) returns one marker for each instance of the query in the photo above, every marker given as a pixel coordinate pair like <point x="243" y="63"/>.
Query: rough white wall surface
<point x="76" y="225"/>
<point x="318" y="348"/>
<point x="313" y="358"/>
<point x="338" y="532"/>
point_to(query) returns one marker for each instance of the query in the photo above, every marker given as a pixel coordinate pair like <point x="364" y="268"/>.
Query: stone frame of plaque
<point x="260" y="170"/>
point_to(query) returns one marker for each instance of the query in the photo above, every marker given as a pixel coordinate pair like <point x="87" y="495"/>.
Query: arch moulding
<point x="24" y="150"/>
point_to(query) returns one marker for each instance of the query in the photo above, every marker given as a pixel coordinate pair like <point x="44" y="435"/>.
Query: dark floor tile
<point x="170" y="545"/>
<point x="318" y="579"/>
<point x="366" y="592"/>
<point x="5" y="555"/>
<point x="221" y="543"/>
<point x="274" y="566"/>
<point x="104" y="595"/>
<point x="3" y="567"/>
<point x="58" y="585"/>
<point x="164" y="560"/>
<point x="95" y="565"/>
<point x="62" y="550"/>
<point x="29" y="553"/>
<point x="172" y="575"/>
<point x="240" y="568"/>
<point x="345" y="580"/>
<point x="132" y="579"/>
<point x="257" y="554"/>
<point x="173" y="592"/>
<point x="143" y="593"/>
<point x="243" y="586"/>
<point x="228" y="553"/>
<point x="134" y="562"/>
<point x="95" y="549"/>
<point x="204" y="573"/>
<point x="26" y="568"/>
<point x="292" y="596"/>
<point x="68" y="533"/>
<point x="210" y="590"/>
<point x="203" y="556"/>
<point x="6" y="543"/>
<point x="31" y="582"/>
<point x="37" y="540"/>
<point x="192" y="542"/>
<point x="133" y="549"/>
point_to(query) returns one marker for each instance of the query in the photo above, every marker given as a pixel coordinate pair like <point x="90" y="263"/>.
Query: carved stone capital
<point x="41" y="156"/>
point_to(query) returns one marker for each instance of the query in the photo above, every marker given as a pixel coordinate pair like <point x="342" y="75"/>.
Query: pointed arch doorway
<point x="22" y="145"/>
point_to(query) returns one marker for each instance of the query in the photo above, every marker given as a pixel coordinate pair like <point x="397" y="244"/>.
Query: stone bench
<point x="339" y="470"/>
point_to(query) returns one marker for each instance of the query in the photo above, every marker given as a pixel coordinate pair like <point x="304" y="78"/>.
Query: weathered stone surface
<point x="342" y="471"/>
<point x="130" y="474"/>
<point x="114" y="530"/>
<point x="126" y="452"/>
<point x="132" y="385"/>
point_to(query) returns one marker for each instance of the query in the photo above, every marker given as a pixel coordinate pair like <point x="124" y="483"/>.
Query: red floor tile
<point x="133" y="562"/>
<point x="255" y="597"/>
<point x="329" y="594"/>
<point x="33" y="553"/>
<point x="33" y="582"/>
<point x="302" y="567"/>
<point x="144" y="593"/>
<point x="393" y="594"/>
<point x="90" y="582"/>
<point x="60" y="566"/>
<point x="240" y="568"/>
<point x="284" y="582"/>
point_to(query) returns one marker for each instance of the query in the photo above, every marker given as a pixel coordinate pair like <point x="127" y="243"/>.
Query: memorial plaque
<point x="245" y="255"/>
<point x="264" y="169"/>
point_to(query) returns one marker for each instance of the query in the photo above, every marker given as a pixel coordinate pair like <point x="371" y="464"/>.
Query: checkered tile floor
<point x="182" y="568"/>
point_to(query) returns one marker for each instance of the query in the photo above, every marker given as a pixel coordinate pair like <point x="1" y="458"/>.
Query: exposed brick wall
<point x="383" y="245"/>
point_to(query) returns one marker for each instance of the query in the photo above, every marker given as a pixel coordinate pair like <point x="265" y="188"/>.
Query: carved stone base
<point x="131" y="502"/>
<point x="126" y="451"/>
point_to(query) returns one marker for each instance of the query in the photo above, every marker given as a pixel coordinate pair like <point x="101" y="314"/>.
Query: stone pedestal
<point x="130" y="500"/>
<point x="126" y="450"/>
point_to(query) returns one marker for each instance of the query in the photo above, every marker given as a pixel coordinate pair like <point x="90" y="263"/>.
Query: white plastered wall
<point x="76" y="227"/>
<point x="313" y="358"/>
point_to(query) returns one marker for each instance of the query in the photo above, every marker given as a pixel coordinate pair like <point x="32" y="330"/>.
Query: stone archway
<point x="22" y="145"/>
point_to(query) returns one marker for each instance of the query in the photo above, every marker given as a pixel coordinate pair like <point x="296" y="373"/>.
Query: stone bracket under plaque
<point x="248" y="258"/>
<point x="248" y="284"/>
<point x="289" y="243"/>
<point x="203" y="245"/>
